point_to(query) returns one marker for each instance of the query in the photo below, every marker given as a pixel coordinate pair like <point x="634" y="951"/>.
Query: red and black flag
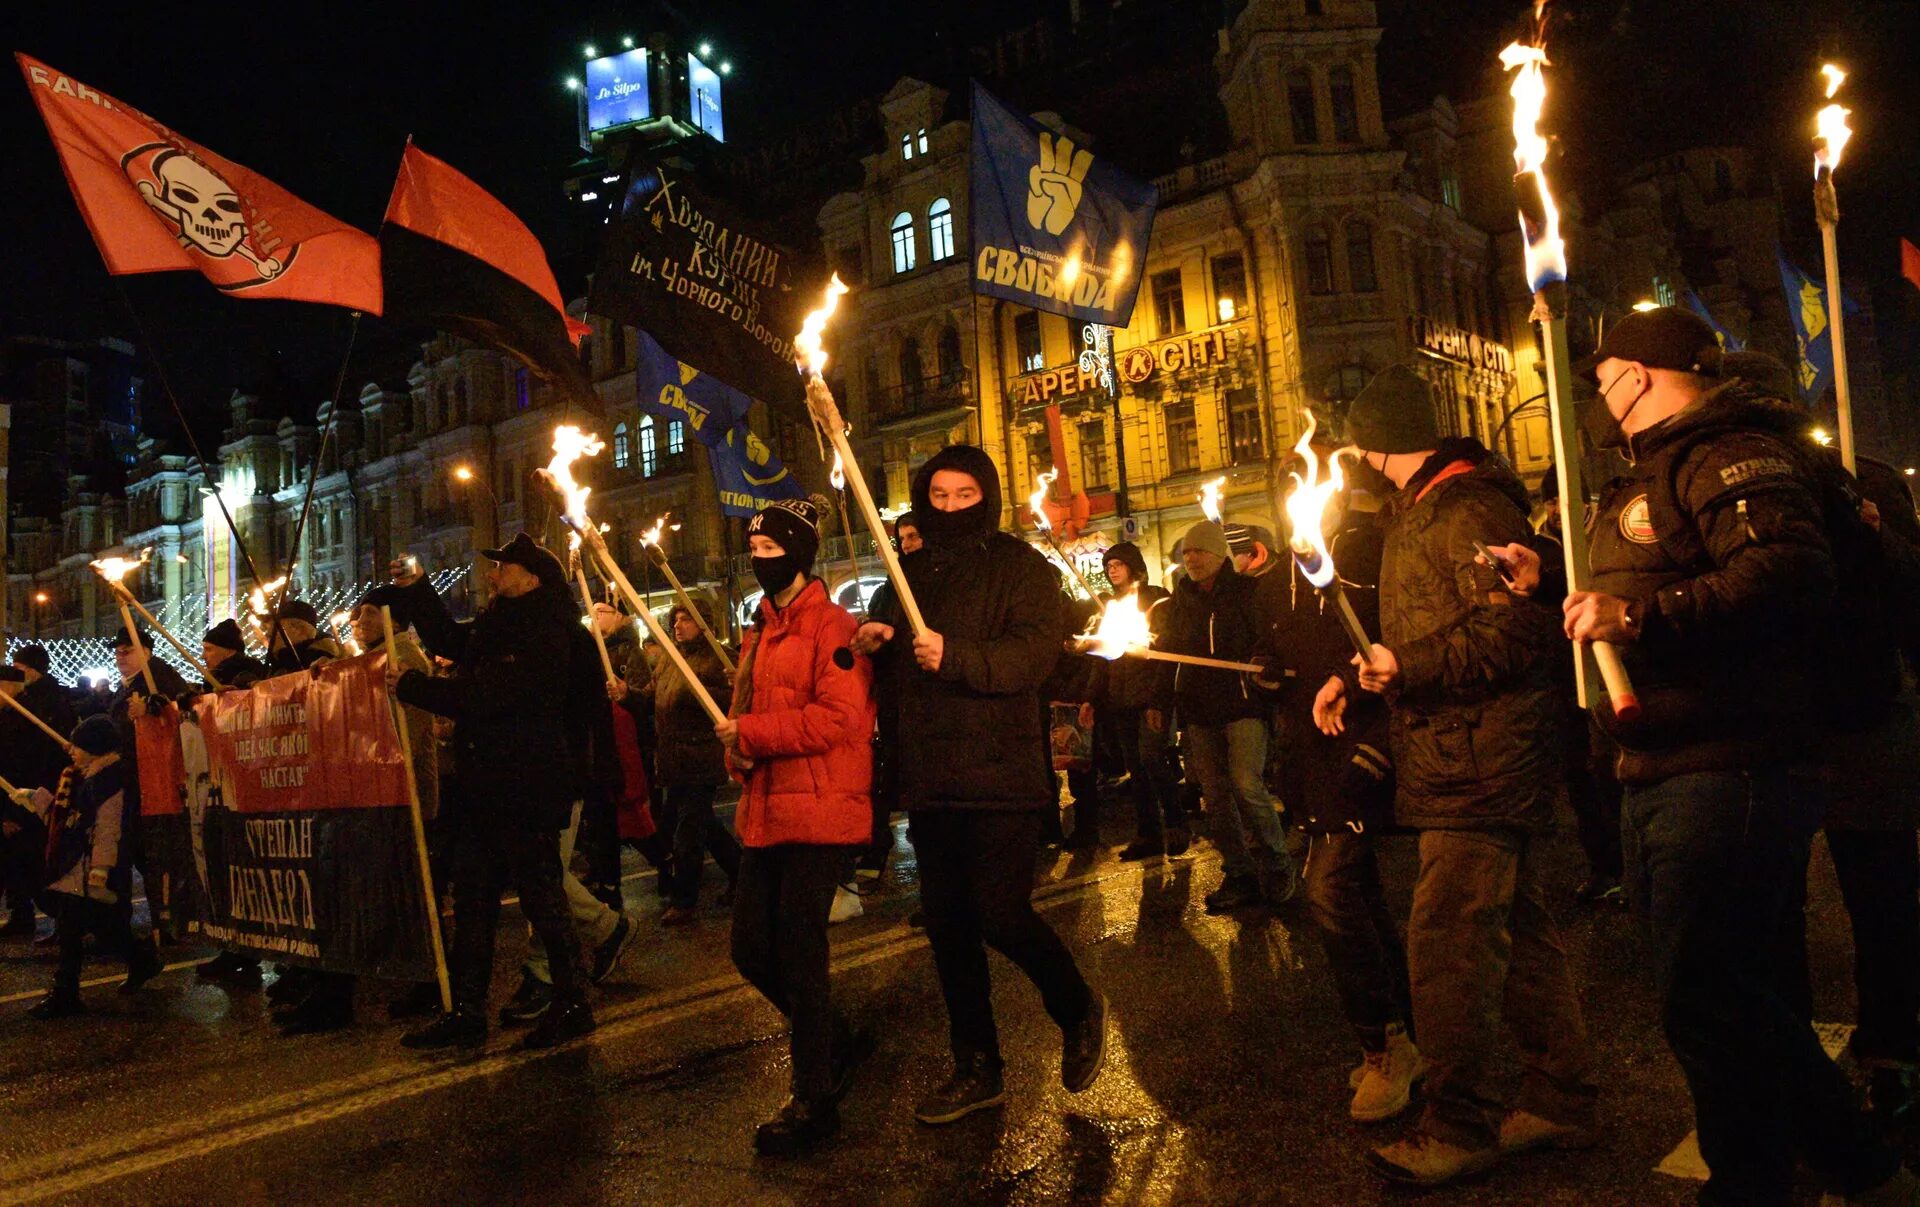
<point x="456" y="259"/>
<point x="158" y="202"/>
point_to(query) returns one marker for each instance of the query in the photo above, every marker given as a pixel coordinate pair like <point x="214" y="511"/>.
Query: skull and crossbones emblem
<point x="204" y="209"/>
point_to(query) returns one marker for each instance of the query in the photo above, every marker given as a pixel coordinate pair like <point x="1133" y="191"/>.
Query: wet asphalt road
<point x="1226" y="1080"/>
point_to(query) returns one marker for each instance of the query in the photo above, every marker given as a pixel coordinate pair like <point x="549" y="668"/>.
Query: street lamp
<point x="40" y="600"/>
<point x="464" y="475"/>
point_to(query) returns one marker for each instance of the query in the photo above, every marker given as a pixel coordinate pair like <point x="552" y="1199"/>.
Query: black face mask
<point x="1598" y="421"/>
<point x="955" y="527"/>
<point x="1362" y="475"/>
<point x="775" y="574"/>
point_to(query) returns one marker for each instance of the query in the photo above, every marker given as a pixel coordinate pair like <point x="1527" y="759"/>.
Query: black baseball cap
<point x="1666" y="337"/>
<point x="530" y="555"/>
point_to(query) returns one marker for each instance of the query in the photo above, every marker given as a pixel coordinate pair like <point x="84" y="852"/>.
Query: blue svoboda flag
<point x="1807" y="307"/>
<point x="1729" y="342"/>
<point x="1053" y="225"/>
<point x="745" y="471"/>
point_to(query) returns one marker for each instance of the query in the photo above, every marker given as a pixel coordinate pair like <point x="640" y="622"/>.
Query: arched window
<point x="1341" y="100"/>
<point x="912" y="375"/>
<point x="676" y="438"/>
<point x="903" y="254"/>
<point x="649" y="448"/>
<point x="1361" y="277"/>
<point x="1319" y="255"/>
<point x="1306" y="128"/>
<point x="622" y="446"/>
<point x="951" y="367"/>
<point x="940" y="230"/>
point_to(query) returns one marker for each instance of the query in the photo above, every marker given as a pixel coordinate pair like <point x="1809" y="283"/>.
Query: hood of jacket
<point x="973" y="462"/>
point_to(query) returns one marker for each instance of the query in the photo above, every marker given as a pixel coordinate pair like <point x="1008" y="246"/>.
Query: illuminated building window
<point x="1093" y="455"/>
<point x="1245" y="435"/>
<point x="922" y="136"/>
<point x="1360" y="275"/>
<point x="1229" y="287"/>
<point x="676" y="438"/>
<point x="903" y="252"/>
<point x="1306" y="128"/>
<point x="1026" y="342"/>
<point x="940" y="230"/>
<point x="1345" y="382"/>
<point x="1183" y="439"/>
<point x="1663" y="291"/>
<point x="1169" y="303"/>
<point x="906" y="146"/>
<point x="622" y="447"/>
<point x="649" y="450"/>
<point x="1450" y="191"/>
<point x="1346" y="111"/>
<point x="1319" y="255"/>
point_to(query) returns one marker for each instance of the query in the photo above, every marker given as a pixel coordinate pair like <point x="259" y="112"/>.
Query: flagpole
<point x="419" y="824"/>
<point x="1826" y="209"/>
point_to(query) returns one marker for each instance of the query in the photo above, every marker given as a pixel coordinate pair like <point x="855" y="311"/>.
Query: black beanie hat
<point x="1128" y="554"/>
<point x="1765" y="372"/>
<point x="226" y="635"/>
<point x="121" y="641"/>
<point x="96" y="735"/>
<point x="33" y="656"/>
<point x="793" y="524"/>
<point x="1394" y="414"/>
<point x="299" y="609"/>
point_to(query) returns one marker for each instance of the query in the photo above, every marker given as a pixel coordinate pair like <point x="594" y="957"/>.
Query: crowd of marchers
<point x="1761" y="598"/>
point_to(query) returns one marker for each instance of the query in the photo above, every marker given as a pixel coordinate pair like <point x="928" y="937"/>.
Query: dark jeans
<point x="1363" y="945"/>
<point x="780" y="907"/>
<point x="1150" y="775"/>
<point x="976" y="887"/>
<point x="1482" y="948"/>
<point x="598" y="840"/>
<point x="697" y="831"/>
<point x="489" y="853"/>
<point x="21" y="857"/>
<point x="1083" y="784"/>
<point x="1712" y="861"/>
<point x="1879" y="874"/>
<point x="1594" y="795"/>
<point x="110" y="924"/>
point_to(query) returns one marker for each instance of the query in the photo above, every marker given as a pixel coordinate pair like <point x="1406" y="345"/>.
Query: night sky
<point x="323" y="103"/>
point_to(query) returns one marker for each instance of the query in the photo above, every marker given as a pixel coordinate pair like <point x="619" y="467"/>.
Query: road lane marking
<point x="70" y="1170"/>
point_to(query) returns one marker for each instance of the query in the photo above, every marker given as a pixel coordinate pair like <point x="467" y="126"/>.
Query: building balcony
<point x="927" y="396"/>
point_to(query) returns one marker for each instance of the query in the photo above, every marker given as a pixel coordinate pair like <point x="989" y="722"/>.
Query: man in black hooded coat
<point x="973" y="774"/>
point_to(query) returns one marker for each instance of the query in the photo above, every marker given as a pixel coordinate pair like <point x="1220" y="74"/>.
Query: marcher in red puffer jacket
<point x="807" y="725"/>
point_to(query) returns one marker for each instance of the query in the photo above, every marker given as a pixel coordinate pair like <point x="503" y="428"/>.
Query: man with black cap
<point x="1464" y="666"/>
<point x="28" y="759"/>
<point x="1126" y="692"/>
<point x="515" y="771"/>
<point x="299" y="644"/>
<point x="973" y="772"/>
<point x="1714" y="574"/>
<point x="224" y="651"/>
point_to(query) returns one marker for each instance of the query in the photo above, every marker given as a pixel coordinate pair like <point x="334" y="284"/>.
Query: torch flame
<point x="1210" y="498"/>
<point x="569" y="445"/>
<point x="1122" y="627"/>
<point x="660" y="527"/>
<point x="116" y="569"/>
<point x="1540" y="220"/>
<point x="813" y="357"/>
<point x="1307" y="511"/>
<point x="838" y="475"/>
<point x="1830" y="126"/>
<point x="258" y="597"/>
<point x="1037" y="501"/>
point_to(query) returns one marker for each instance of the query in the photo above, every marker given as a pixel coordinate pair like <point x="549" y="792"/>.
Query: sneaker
<point x="144" y="967"/>
<point x="457" y="1030"/>
<point x="231" y="968"/>
<point x="677" y="915"/>
<point x="975" y="1085"/>
<point x="528" y="1002"/>
<point x="607" y="955"/>
<point x="1422" y="1160"/>
<point x="1177" y="842"/>
<point x="1083" y="1048"/>
<point x="50" y="939"/>
<point x="1282" y="885"/>
<point x="1524" y="1132"/>
<point x="565" y="1020"/>
<point x="1142" y="848"/>
<point x="800" y="1127"/>
<point x="1233" y="894"/>
<point x="56" y="1005"/>
<point x="846" y="906"/>
<point x="1386" y="1079"/>
<point x="609" y="896"/>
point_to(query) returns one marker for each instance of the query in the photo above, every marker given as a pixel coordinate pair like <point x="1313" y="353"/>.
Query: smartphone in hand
<point x="1500" y="564"/>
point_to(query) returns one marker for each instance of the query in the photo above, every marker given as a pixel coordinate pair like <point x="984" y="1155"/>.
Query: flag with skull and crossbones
<point x="200" y="204"/>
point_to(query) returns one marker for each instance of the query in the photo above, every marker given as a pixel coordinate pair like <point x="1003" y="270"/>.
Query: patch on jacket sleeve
<point x="1755" y="468"/>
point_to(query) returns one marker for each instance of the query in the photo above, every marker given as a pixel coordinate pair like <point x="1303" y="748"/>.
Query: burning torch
<point x="1829" y="140"/>
<point x="114" y="570"/>
<point x="837" y="476"/>
<point x="569" y="445"/>
<point x="1307" y="505"/>
<point x="651" y="550"/>
<point x="1122" y="632"/>
<point x="1036" y="503"/>
<point x="827" y="420"/>
<point x="1546" y="266"/>
<point x="586" y="601"/>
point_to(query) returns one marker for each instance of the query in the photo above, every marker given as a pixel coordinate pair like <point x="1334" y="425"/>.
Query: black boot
<point x="801" y="1127"/>
<point x="61" y="1003"/>
<point x="142" y="966"/>
<point x="457" y="1030"/>
<point x="529" y="1002"/>
<point x="567" y="1018"/>
<point x="975" y="1085"/>
<point x="1083" y="1047"/>
<point x="231" y="969"/>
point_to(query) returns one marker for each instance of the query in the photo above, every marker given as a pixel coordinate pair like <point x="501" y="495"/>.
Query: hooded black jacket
<point x="28" y="757"/>
<point x="970" y="736"/>
<point x="1216" y="621"/>
<point x="1725" y="666"/>
<point x="1473" y="726"/>
<point x="507" y="698"/>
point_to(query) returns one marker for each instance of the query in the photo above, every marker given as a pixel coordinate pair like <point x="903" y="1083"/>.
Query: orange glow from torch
<point x="258" y="598"/>
<point x="813" y="355"/>
<point x="1122" y="627"/>
<point x="116" y="569"/>
<point x="1037" y="501"/>
<point x="838" y="474"/>
<point x="1307" y="510"/>
<point x="660" y="527"/>
<point x="569" y="445"/>
<point x="1210" y="498"/>
<point x="1539" y="216"/>
<point x="1830" y="126"/>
